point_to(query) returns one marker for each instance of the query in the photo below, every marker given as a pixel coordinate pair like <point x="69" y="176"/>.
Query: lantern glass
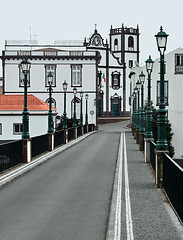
<point x="149" y="65"/>
<point x="86" y="96"/>
<point x="161" y="38"/>
<point x="75" y="90"/>
<point x="142" y="77"/>
<point x="50" y="78"/>
<point x="25" y="66"/>
<point x="65" y="86"/>
<point x="81" y="94"/>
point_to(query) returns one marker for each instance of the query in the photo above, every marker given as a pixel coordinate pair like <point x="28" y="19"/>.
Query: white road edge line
<point x="117" y="227"/>
<point x="129" y="223"/>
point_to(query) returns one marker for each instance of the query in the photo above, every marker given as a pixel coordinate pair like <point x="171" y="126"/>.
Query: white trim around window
<point x="17" y="128"/>
<point x="76" y="75"/>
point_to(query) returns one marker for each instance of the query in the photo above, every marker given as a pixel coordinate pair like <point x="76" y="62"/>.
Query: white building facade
<point x="118" y="55"/>
<point x="74" y="65"/>
<point x="173" y="92"/>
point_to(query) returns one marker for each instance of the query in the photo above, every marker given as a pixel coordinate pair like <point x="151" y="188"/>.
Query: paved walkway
<point x="139" y="210"/>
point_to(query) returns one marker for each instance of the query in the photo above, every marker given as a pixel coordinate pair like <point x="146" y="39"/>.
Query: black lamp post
<point x="161" y="38"/>
<point x="86" y="116"/>
<point x="138" y="84"/>
<point x="149" y="67"/>
<point x="81" y="109"/>
<point x="25" y="68"/>
<point x="74" y="115"/>
<point x="65" y="113"/>
<point x="142" y="78"/>
<point x="135" y="107"/>
<point x="50" y="114"/>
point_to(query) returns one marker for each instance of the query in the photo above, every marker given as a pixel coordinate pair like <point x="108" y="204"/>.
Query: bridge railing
<point x="85" y="127"/>
<point x="10" y="155"/>
<point x="70" y="134"/>
<point x="91" y="127"/>
<point x="39" y="145"/>
<point x="58" y="138"/>
<point x="79" y="131"/>
<point x="13" y="153"/>
<point x="172" y="184"/>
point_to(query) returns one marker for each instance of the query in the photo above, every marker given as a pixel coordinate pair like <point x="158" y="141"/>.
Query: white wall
<point x="38" y="125"/>
<point x="63" y="72"/>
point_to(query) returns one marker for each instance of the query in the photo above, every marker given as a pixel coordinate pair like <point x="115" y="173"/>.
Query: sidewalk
<point x="145" y="212"/>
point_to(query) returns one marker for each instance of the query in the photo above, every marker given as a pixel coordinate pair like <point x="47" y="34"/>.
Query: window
<point x="17" y="128"/>
<point x="0" y="128"/>
<point x="52" y="69"/>
<point x="76" y="75"/>
<point x="21" y="78"/>
<point x="115" y="80"/>
<point x="179" y="63"/>
<point x="116" y="44"/>
<point x="53" y="102"/>
<point x="130" y="63"/>
<point x="165" y="92"/>
<point x="130" y="43"/>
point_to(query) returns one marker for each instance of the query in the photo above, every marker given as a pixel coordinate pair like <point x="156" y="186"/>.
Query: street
<point x="68" y="197"/>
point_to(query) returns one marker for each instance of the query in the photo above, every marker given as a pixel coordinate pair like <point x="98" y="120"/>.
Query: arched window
<point x="53" y="102"/>
<point x="116" y="44"/>
<point x="131" y="43"/>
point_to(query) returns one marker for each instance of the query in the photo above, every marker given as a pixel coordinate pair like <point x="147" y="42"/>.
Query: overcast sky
<point x="75" y="19"/>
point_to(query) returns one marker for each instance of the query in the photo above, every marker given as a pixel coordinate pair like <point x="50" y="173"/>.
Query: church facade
<point x="119" y="54"/>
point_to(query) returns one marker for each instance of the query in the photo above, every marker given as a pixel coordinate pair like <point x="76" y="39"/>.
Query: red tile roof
<point x="16" y="102"/>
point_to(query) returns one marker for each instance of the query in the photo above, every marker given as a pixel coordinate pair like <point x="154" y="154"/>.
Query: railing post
<point x="141" y="137"/>
<point x="147" y="142"/>
<point x="65" y="136"/>
<point x="75" y="132"/>
<point x="159" y="168"/>
<point x="26" y="146"/>
<point x="82" y="130"/>
<point x="51" y="141"/>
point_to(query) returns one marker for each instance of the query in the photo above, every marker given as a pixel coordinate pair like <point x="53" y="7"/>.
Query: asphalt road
<point x="67" y="197"/>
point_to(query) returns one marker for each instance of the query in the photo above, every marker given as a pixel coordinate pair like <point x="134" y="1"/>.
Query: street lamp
<point x="133" y="111"/>
<point x="138" y="84"/>
<point x="81" y="109"/>
<point x="74" y="115"/>
<point x="64" y="114"/>
<point x="86" y="116"/>
<point x="135" y="107"/>
<point x="149" y="67"/>
<point x="161" y="38"/>
<point x="50" y="114"/>
<point x="25" y="68"/>
<point x="142" y="78"/>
